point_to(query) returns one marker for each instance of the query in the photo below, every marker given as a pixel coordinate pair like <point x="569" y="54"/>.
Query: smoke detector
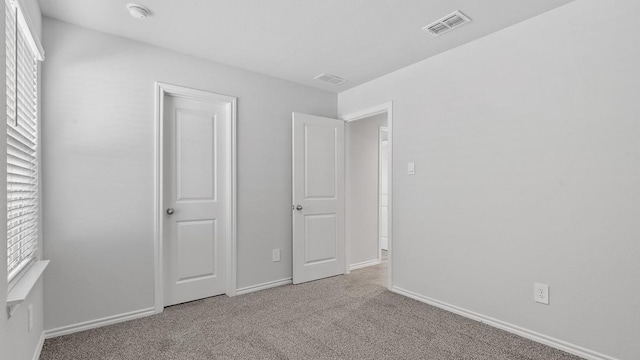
<point x="138" y="11"/>
<point x="331" y="79"/>
<point x="449" y="22"/>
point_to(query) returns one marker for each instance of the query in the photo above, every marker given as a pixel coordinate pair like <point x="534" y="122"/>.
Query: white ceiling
<point x="296" y="40"/>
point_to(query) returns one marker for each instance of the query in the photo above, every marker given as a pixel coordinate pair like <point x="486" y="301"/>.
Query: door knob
<point x="170" y="211"/>
<point x="299" y="207"/>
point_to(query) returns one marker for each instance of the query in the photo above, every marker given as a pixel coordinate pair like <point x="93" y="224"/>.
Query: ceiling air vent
<point x="331" y="79"/>
<point x="447" y="23"/>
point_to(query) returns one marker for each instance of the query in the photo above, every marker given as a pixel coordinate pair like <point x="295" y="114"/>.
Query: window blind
<point x="22" y="143"/>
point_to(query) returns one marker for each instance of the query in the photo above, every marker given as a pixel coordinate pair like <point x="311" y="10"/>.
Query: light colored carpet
<point x="344" y="317"/>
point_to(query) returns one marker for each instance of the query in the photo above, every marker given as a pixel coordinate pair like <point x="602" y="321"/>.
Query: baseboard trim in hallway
<point x="514" y="329"/>
<point x="92" y="324"/>
<point x="364" y="264"/>
<point x="263" y="286"/>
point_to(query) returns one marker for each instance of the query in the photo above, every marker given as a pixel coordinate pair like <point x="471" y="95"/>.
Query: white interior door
<point x="318" y="198"/>
<point x="194" y="199"/>
<point x="383" y="182"/>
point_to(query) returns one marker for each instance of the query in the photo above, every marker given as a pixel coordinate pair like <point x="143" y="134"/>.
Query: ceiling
<point x="358" y="40"/>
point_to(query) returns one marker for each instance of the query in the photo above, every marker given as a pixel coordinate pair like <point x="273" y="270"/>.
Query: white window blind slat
<point x="20" y="139"/>
<point x="22" y="143"/>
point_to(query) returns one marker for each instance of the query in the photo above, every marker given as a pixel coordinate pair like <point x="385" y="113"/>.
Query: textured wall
<point x="526" y="145"/>
<point x="98" y="111"/>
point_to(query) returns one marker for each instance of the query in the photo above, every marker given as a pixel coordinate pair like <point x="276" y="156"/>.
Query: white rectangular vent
<point x="447" y="23"/>
<point x="331" y="79"/>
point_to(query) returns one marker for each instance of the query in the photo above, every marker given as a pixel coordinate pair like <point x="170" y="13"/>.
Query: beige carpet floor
<point x="344" y="317"/>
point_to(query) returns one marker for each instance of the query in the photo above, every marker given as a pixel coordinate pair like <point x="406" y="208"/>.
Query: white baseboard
<point x="364" y="264"/>
<point x="92" y="324"/>
<point x="263" y="286"/>
<point x="514" y="329"/>
<point x="36" y="354"/>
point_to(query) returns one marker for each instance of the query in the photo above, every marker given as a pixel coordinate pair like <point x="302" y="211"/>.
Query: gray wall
<point x="526" y="144"/>
<point x="98" y="111"/>
<point x="16" y="343"/>
<point x="362" y="188"/>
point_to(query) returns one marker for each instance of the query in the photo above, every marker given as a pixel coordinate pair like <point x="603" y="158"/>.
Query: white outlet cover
<point x="411" y="168"/>
<point x="541" y="293"/>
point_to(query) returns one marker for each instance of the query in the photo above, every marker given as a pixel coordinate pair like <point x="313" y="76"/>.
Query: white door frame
<point x="382" y="129"/>
<point x="375" y="110"/>
<point x="161" y="91"/>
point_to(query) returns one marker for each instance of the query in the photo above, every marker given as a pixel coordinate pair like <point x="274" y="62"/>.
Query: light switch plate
<point x="411" y="168"/>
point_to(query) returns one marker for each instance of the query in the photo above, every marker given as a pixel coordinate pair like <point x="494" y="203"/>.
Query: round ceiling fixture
<point x="138" y="11"/>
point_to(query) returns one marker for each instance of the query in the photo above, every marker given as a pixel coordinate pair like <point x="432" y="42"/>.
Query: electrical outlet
<point x="29" y="318"/>
<point x="541" y="293"/>
<point x="275" y="255"/>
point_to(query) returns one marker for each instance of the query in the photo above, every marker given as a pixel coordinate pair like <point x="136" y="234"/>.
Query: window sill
<point x="19" y="293"/>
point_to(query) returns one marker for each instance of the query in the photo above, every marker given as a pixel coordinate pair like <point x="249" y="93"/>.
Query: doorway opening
<point x="339" y="223"/>
<point x="368" y="137"/>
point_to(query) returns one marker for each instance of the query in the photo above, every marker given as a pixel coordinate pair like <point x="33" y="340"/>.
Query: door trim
<point x="358" y="115"/>
<point x="162" y="90"/>
<point x="382" y="129"/>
